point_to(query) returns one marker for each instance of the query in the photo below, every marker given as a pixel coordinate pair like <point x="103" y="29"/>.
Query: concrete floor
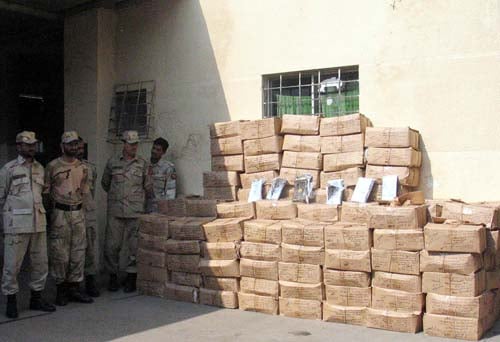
<point x="121" y="317"/>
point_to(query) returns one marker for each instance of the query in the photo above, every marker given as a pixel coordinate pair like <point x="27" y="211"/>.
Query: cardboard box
<point x="187" y="279"/>
<point x="291" y="174"/>
<point x="395" y="281"/>
<point x="276" y="210"/>
<point x="183" y="263"/>
<point x="261" y="287"/>
<point x="248" y="178"/>
<point x="434" y="208"/>
<point x="189" y="228"/>
<point x="346" y="278"/>
<point x="300" y="124"/>
<point x="265" y="231"/>
<point x="259" y="269"/>
<point x="300" y="308"/>
<point x="461" y="263"/>
<point x="409" y="217"/>
<point x="305" y="160"/>
<point x="318" y="212"/>
<point x="343" y="144"/>
<point x="302" y="143"/>
<point x="473" y="307"/>
<point x="472" y="213"/>
<point x="226" y="146"/>
<point x="255" y="147"/>
<point x="220" y="178"/>
<point x="300" y="273"/>
<point x="260" y="251"/>
<point x="171" y="208"/>
<point x="302" y="254"/>
<point x="150" y="288"/>
<point x="394" y="321"/>
<point x="151" y="258"/>
<point x="220" y="268"/>
<point x="342" y="161"/>
<point x="454" y="238"/>
<point x="154" y="224"/>
<point x="235" y="209"/>
<point x="152" y="242"/>
<point x="224" y="229"/>
<point x="398" y="239"/>
<point x="344" y="314"/>
<point x="263" y="304"/>
<point x="303" y="232"/>
<point x="344" y="235"/>
<point x="394" y="156"/>
<point x="290" y="289"/>
<point x="356" y="212"/>
<point x="150" y="273"/>
<point x="493" y="279"/>
<point x="348" y="296"/>
<point x="219" y="250"/>
<point x="182" y="246"/>
<point x="201" y="207"/>
<point x="225" y="129"/>
<point x="398" y="301"/>
<point x="350" y="176"/>
<point x="393" y="261"/>
<point x="407" y="176"/>
<point x="222" y="299"/>
<point x="392" y="137"/>
<point x="263" y="162"/>
<point x="257" y="129"/>
<point x="243" y="194"/>
<point x="221" y="284"/>
<point x="221" y="193"/>
<point x="345" y="260"/>
<point x="228" y="163"/>
<point x="181" y="293"/>
<point x="344" y="125"/>
<point x="454" y="284"/>
<point x="455" y="327"/>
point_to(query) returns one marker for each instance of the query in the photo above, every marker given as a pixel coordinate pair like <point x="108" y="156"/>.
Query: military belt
<point x="68" y="207"/>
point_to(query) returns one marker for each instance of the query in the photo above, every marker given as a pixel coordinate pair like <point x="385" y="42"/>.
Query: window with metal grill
<point x="329" y="92"/>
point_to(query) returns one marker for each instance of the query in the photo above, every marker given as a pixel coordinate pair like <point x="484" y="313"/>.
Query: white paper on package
<point x="389" y="187"/>
<point x="276" y="189"/>
<point x="334" y="191"/>
<point x="303" y="188"/>
<point x="362" y="190"/>
<point x="256" y="190"/>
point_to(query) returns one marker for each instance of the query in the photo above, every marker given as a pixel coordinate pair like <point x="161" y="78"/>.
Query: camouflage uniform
<point x="90" y="209"/>
<point x="164" y="184"/>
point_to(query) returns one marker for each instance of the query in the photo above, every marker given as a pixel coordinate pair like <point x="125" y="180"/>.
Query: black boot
<point x="62" y="294"/>
<point x="113" y="283"/>
<point x="11" y="311"/>
<point x="130" y="282"/>
<point x="38" y="303"/>
<point x="91" y="287"/>
<point x="75" y="295"/>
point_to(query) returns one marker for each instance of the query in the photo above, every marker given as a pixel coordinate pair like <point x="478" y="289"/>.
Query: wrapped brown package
<point x="350" y="176"/>
<point x="226" y="146"/>
<point x="172" y="207"/>
<point x="408" y="176"/>
<point x="275" y="210"/>
<point x="409" y="217"/>
<point x="259" y="269"/>
<point x="228" y="163"/>
<point x="220" y="178"/>
<point x="248" y="178"/>
<point x="221" y="284"/>
<point x="221" y="193"/>
<point x="201" y="207"/>
<point x="189" y="228"/>
<point x="182" y="246"/>
<point x="154" y="224"/>
<point x="473" y="307"/>
<point x="302" y="254"/>
<point x="348" y="296"/>
<point x="224" y="229"/>
<point x="493" y="279"/>
<point x="344" y="314"/>
<point x="395" y="261"/>
<point x="346" y="260"/>
<point x="151" y="258"/>
<point x="150" y="273"/>
<point x="356" y="212"/>
<point x="269" y="145"/>
<point x="393" y="321"/>
<point x="220" y="268"/>
<point x="260" y="251"/>
<point x="263" y="162"/>
<point x="455" y="327"/>
<point x="398" y="301"/>
<point x="291" y="174"/>
<point x="150" y="288"/>
<point x="183" y="263"/>
<point x="344" y="125"/>
<point x="394" y="281"/>
<point x="454" y="238"/>
<point x="263" y="304"/>
<point x="318" y="212"/>
<point x="342" y="161"/>
<point x="461" y="263"/>
<point x="289" y="289"/>
<point x="300" y="124"/>
<point x="225" y="129"/>
<point x="261" y="287"/>
<point x="152" y="242"/>
<point x="222" y="299"/>
<point x="454" y="284"/>
<point x="493" y="240"/>
<point x="219" y="250"/>
<point x="257" y="129"/>
<point x="346" y="278"/>
<point x="472" y="213"/>
<point x="399" y="239"/>
<point x="303" y="232"/>
<point x="302" y="143"/>
<point x="394" y="156"/>
<point x="343" y="144"/>
<point x="300" y="308"/>
<point x="182" y="293"/>
<point x="392" y="137"/>
<point x="187" y="279"/>
<point x="236" y="209"/>
<point x="300" y="273"/>
<point x="305" y="160"/>
<point x="265" y="231"/>
<point x="344" y="235"/>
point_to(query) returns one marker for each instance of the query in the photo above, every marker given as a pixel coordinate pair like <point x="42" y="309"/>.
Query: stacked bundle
<point x="396" y="282"/>
<point x="152" y="273"/>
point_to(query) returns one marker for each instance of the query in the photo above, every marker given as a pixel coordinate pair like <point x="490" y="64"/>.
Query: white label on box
<point x="334" y="191"/>
<point x="389" y="187"/>
<point x="256" y="190"/>
<point x="362" y="190"/>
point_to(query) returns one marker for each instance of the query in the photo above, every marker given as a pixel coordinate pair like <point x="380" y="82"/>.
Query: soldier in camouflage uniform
<point x="164" y="177"/>
<point x="90" y="209"/>
<point x="66" y="186"/>
<point x="24" y="223"/>
<point x="126" y="179"/>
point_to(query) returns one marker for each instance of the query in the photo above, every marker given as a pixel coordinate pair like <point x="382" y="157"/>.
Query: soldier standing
<point x="24" y="223"/>
<point x="90" y="209"/>
<point x="126" y="179"/>
<point x="164" y="177"/>
<point x="66" y="186"/>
